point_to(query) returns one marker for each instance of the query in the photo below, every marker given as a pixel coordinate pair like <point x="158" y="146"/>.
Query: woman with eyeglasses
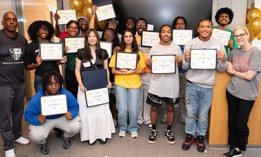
<point x="244" y="66"/>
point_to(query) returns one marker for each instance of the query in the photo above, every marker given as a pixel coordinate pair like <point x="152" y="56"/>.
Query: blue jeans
<point x="37" y="83"/>
<point x="198" y="102"/>
<point x="127" y="101"/>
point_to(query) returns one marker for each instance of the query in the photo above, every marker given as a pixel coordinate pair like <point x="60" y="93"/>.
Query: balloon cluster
<point x="83" y="8"/>
<point x="254" y="23"/>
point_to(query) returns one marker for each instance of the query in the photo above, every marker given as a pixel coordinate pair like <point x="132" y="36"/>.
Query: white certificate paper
<point x="74" y="44"/>
<point x="221" y="35"/>
<point x="51" y="51"/>
<point x="203" y="59"/>
<point x="53" y="105"/>
<point x="163" y="64"/>
<point x="66" y="16"/>
<point x="125" y="60"/>
<point x="105" y="12"/>
<point x="97" y="97"/>
<point x="181" y="37"/>
<point x="107" y="46"/>
<point x="148" y="38"/>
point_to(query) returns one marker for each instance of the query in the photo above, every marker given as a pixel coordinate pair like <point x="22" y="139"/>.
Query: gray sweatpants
<point x="39" y="134"/>
<point x="11" y="113"/>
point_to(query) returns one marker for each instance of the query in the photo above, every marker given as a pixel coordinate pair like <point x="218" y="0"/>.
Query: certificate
<point x="221" y="35"/>
<point x="74" y="43"/>
<point x="107" y="46"/>
<point x="148" y="39"/>
<point x="97" y="97"/>
<point x="126" y="60"/>
<point x="53" y="105"/>
<point x="66" y="16"/>
<point x="203" y="59"/>
<point x="181" y="37"/>
<point x="51" y="51"/>
<point x="163" y="64"/>
<point x="105" y="12"/>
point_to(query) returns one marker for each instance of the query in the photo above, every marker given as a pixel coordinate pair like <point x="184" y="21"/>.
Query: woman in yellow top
<point x="127" y="86"/>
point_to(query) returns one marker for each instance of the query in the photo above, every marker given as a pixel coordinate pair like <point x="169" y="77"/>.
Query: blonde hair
<point x="244" y="28"/>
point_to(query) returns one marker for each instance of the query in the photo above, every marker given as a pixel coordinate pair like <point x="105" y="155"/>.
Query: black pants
<point x="12" y="109"/>
<point x="238" y="114"/>
<point x="71" y="82"/>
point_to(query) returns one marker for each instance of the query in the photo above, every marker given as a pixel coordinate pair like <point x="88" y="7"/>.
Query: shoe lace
<point x="154" y="133"/>
<point x="45" y="148"/>
<point x="66" y="143"/>
<point x="200" y="140"/>
<point x="189" y="138"/>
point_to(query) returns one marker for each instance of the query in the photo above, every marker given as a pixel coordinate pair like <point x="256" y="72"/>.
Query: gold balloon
<point x="253" y="13"/>
<point x="255" y="25"/>
<point x="251" y="36"/>
<point x="77" y="5"/>
<point x="258" y="36"/>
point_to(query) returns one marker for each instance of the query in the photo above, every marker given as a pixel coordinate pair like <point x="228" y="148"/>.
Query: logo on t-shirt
<point x="16" y="53"/>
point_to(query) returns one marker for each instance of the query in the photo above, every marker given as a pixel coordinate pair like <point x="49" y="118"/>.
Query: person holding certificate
<point x="164" y="87"/>
<point x="200" y="82"/>
<point x="144" y="112"/>
<point x="110" y="35"/>
<point x="40" y="124"/>
<point x="40" y="31"/>
<point x="12" y="84"/>
<point x="71" y="83"/>
<point x="244" y="66"/>
<point x="97" y="122"/>
<point x="224" y="17"/>
<point x="127" y="84"/>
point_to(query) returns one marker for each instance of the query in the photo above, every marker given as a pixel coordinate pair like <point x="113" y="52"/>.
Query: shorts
<point x="155" y="100"/>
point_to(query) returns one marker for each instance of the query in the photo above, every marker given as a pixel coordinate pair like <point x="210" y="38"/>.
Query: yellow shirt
<point x="128" y="81"/>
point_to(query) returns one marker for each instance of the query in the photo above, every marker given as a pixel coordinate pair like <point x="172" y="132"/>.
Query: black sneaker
<point x="153" y="136"/>
<point x="102" y="142"/>
<point x="170" y="136"/>
<point x="188" y="142"/>
<point x="201" y="144"/>
<point x="232" y="153"/>
<point x="66" y="143"/>
<point x="44" y="148"/>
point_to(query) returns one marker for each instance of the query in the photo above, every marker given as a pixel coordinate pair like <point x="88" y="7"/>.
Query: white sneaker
<point x="134" y="134"/>
<point x="22" y="141"/>
<point x="10" y="153"/>
<point x="122" y="133"/>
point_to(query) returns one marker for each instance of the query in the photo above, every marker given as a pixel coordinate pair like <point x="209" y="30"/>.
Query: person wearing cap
<point x="83" y="23"/>
<point x="112" y="24"/>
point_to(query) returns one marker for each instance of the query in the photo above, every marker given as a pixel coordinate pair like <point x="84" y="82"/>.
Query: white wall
<point x="239" y="7"/>
<point x="6" y="5"/>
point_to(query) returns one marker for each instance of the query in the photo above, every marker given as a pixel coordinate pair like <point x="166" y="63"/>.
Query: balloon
<point x="252" y="13"/>
<point x="258" y="36"/>
<point x="251" y="36"/>
<point x="77" y="5"/>
<point x="255" y="25"/>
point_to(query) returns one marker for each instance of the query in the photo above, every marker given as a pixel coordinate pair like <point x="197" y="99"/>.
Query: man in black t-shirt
<point x="12" y="86"/>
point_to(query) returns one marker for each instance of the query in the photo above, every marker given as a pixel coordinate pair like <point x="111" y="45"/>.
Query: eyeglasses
<point x="72" y="27"/>
<point x="239" y="35"/>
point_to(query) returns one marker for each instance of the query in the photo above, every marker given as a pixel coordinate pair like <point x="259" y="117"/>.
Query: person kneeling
<point x="40" y="125"/>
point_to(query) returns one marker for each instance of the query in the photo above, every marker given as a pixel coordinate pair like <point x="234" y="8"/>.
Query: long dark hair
<point x="87" y="50"/>
<point x="176" y="20"/>
<point x="36" y="25"/>
<point x="134" y="44"/>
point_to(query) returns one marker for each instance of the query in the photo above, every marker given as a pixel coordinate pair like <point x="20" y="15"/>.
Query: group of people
<point x="138" y="93"/>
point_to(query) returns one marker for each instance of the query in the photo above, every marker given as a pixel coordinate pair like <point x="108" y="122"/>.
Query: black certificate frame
<point x="41" y="103"/>
<point x="173" y="55"/>
<point x="126" y="53"/>
<point x="86" y="98"/>
<point x="48" y="44"/>
<point x="66" y="38"/>
<point x="200" y="50"/>
<point x="142" y="39"/>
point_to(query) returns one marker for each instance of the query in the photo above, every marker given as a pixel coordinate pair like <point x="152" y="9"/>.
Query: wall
<point x="6" y="5"/>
